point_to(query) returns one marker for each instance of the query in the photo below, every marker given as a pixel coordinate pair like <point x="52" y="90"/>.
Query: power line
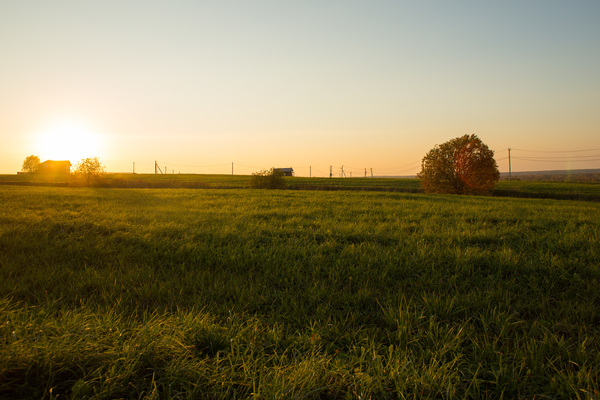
<point x="547" y="156"/>
<point x="555" y="160"/>
<point x="247" y="166"/>
<point x="557" y="151"/>
<point x="318" y="170"/>
<point x="406" y="166"/>
<point x="561" y="158"/>
<point x="193" y="166"/>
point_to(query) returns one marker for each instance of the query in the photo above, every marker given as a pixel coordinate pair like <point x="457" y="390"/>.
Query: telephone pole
<point x="509" y="166"/>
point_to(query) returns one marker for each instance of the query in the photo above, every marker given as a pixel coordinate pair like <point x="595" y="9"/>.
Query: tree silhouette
<point x="89" y="168"/>
<point x="464" y="165"/>
<point x="31" y="164"/>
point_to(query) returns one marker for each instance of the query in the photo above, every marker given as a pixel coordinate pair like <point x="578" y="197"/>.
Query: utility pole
<point x="134" y="167"/>
<point x="509" y="166"/>
<point x="331" y="171"/>
<point x="365" y="172"/>
<point x="231" y="168"/>
<point x="371" y="172"/>
<point x="310" y="171"/>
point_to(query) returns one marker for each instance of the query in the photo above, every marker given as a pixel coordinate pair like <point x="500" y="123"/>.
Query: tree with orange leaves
<point x="464" y="165"/>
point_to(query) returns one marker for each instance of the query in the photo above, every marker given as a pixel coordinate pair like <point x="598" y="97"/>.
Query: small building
<point x="285" y="171"/>
<point x="55" y="167"/>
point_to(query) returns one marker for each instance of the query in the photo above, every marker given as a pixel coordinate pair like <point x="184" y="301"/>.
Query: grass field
<point x="587" y="191"/>
<point x="194" y="293"/>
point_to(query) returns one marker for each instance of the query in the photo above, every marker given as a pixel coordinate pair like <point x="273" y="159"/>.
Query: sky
<point x="215" y="86"/>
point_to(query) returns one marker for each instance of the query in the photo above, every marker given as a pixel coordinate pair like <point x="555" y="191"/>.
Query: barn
<point x="285" y="171"/>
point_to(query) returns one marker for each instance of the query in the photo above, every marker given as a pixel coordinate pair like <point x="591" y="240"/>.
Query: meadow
<point x="322" y="294"/>
<point x="574" y="190"/>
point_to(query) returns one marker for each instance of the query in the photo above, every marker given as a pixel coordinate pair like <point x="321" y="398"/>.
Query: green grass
<point x="135" y="180"/>
<point x="147" y="293"/>
<point x="559" y="190"/>
<point x="587" y="191"/>
<point x="216" y="181"/>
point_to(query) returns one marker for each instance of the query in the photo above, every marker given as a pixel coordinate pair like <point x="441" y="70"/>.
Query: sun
<point x="68" y="140"/>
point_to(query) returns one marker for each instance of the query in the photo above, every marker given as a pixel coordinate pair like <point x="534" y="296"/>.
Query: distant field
<point x="230" y="293"/>
<point x="535" y="189"/>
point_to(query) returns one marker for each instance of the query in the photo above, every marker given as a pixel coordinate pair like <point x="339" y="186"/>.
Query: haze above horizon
<point x="198" y="86"/>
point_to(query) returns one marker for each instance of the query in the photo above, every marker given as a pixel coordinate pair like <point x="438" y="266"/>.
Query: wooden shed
<point x="285" y="171"/>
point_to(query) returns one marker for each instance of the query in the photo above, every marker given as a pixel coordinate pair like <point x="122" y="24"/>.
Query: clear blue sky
<point x="366" y="84"/>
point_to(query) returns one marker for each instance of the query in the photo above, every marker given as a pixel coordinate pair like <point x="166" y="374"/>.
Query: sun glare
<point x="68" y="140"/>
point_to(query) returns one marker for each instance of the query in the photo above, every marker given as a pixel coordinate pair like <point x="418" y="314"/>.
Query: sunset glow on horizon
<point x="68" y="140"/>
<point x="199" y="86"/>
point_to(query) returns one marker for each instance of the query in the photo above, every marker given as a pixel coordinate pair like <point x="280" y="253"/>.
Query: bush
<point x="89" y="169"/>
<point x="267" y="179"/>
<point x="464" y="165"/>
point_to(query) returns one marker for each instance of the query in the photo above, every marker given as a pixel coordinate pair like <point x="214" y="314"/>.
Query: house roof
<point x="57" y="163"/>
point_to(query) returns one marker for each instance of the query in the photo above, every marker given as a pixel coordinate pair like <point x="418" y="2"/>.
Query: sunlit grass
<point x="586" y="191"/>
<point x="112" y="293"/>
